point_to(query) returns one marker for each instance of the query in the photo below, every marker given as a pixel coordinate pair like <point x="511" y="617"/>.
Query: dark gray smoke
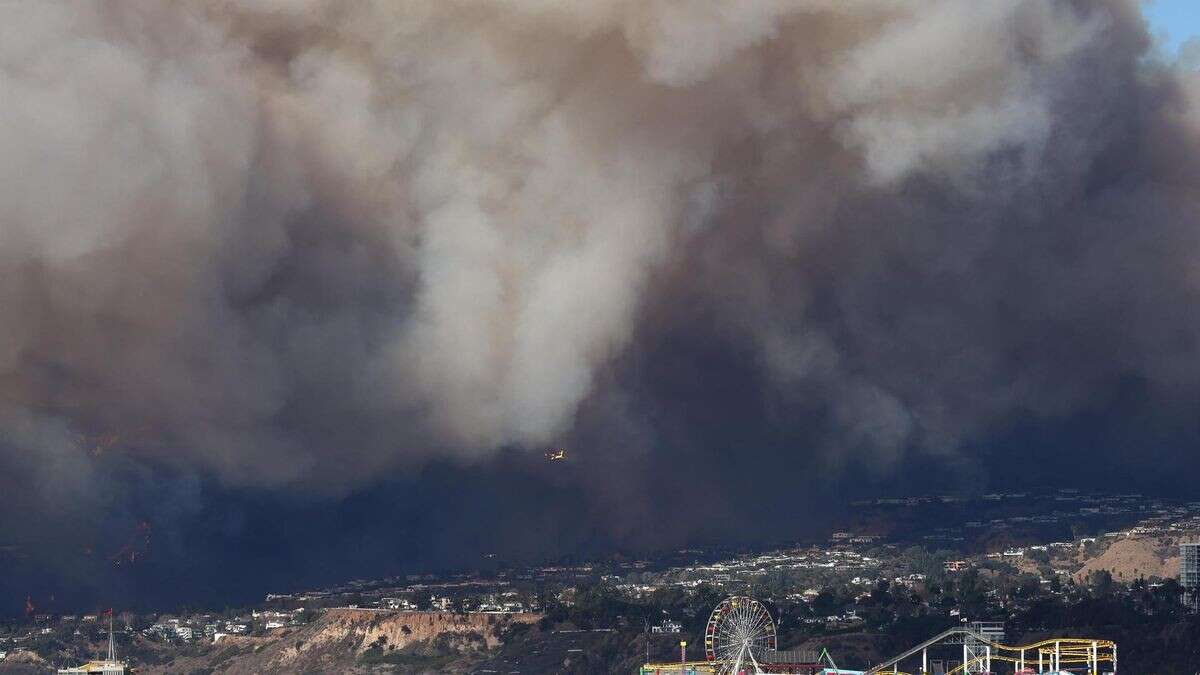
<point x="312" y="243"/>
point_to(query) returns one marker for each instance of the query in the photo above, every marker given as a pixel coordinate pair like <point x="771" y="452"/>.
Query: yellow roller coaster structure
<point x="1047" y="656"/>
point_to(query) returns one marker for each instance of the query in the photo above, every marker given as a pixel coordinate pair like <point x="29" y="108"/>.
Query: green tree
<point x="1100" y="582"/>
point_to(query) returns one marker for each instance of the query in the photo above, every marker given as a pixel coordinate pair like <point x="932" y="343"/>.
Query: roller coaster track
<point x="1058" y="651"/>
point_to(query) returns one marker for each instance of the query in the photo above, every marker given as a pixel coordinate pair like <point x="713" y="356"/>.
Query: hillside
<point x="1128" y="559"/>
<point x="352" y="640"/>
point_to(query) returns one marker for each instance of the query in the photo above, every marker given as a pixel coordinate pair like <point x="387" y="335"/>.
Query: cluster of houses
<point x="204" y="626"/>
<point x="841" y="560"/>
<point x="667" y="627"/>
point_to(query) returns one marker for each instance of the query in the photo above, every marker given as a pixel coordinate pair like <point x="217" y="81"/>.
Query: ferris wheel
<point x="739" y="633"/>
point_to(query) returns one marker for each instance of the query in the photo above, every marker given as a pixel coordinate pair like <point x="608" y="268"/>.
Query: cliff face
<point x="400" y="629"/>
<point x="24" y="663"/>
<point x="336" y="641"/>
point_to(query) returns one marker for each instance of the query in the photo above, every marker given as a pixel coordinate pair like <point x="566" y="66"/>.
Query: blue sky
<point x="1173" y="20"/>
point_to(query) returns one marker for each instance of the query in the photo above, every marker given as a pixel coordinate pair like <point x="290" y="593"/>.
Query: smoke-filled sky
<point x="283" y="272"/>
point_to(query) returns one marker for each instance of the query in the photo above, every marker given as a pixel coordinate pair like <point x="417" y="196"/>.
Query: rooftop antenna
<point x="112" y="653"/>
<point x="646" y="623"/>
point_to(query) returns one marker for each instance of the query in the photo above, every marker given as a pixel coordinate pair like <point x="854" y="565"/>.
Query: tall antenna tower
<point x="109" y="666"/>
<point x="112" y="652"/>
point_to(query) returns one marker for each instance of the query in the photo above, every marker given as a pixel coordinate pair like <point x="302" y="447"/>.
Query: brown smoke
<point x="305" y="242"/>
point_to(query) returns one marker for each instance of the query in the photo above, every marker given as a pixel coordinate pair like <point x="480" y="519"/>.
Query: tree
<point x="825" y="604"/>
<point x="880" y="595"/>
<point x="971" y="593"/>
<point x="1026" y="586"/>
<point x="1100" y="582"/>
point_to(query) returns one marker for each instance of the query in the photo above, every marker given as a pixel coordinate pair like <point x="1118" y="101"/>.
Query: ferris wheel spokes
<point x="740" y="630"/>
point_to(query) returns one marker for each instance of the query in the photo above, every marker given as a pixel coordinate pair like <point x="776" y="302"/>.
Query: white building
<point x="1189" y="574"/>
<point x="96" y="668"/>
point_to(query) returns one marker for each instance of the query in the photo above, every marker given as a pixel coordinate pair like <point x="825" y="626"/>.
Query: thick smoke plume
<point x="307" y="243"/>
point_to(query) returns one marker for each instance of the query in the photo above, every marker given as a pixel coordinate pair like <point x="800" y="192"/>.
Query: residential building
<point x="1189" y="574"/>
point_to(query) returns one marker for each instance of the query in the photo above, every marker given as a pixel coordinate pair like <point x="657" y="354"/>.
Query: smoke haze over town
<point x="277" y="273"/>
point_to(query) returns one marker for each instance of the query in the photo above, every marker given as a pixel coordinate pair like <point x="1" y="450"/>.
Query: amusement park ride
<point x="739" y="639"/>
